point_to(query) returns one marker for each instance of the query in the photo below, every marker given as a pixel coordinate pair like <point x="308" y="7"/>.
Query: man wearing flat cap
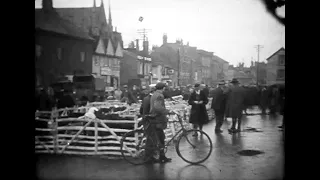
<point x="198" y="114"/>
<point x="159" y="111"/>
<point x="218" y="105"/>
<point x="235" y="105"/>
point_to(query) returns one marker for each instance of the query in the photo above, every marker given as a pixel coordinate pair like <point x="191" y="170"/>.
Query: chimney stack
<point x="47" y="5"/>
<point x="137" y="44"/>
<point x="165" y="39"/>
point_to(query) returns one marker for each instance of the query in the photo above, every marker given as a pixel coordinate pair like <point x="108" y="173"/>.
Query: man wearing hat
<point x="159" y="111"/>
<point x="218" y="105"/>
<point x="198" y="114"/>
<point x="127" y="96"/>
<point x="235" y="105"/>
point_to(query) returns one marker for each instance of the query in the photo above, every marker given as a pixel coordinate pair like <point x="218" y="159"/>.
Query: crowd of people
<point x="228" y="100"/>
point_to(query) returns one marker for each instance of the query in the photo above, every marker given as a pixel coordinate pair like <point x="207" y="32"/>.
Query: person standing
<point x="206" y="90"/>
<point x="117" y="94"/>
<point x="159" y="111"/>
<point x="198" y="114"/>
<point x="218" y="105"/>
<point x="235" y="105"/>
<point x="127" y="96"/>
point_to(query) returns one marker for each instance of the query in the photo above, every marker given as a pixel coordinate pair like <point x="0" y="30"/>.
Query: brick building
<point x="92" y="21"/>
<point x="136" y="66"/>
<point x="61" y="48"/>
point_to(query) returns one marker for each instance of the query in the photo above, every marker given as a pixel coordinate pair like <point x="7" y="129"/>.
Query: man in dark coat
<point x="218" y="105"/>
<point x="198" y="114"/>
<point x="144" y="93"/>
<point x="206" y="90"/>
<point x="235" y="105"/>
<point x="159" y="111"/>
<point x="127" y="96"/>
<point x="66" y="100"/>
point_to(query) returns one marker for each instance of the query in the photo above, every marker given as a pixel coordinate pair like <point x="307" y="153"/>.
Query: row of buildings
<point x="271" y="72"/>
<point x="83" y="41"/>
<point x="175" y="63"/>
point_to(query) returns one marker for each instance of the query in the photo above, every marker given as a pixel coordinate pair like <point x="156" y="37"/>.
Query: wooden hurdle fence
<point x="86" y="136"/>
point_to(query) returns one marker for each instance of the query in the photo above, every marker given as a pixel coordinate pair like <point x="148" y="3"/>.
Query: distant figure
<point x="118" y="94"/>
<point x="143" y="93"/>
<point x="219" y="105"/>
<point x="135" y="92"/>
<point x="198" y="114"/>
<point x="206" y="90"/>
<point x="66" y="101"/>
<point x="127" y="96"/>
<point x="235" y="105"/>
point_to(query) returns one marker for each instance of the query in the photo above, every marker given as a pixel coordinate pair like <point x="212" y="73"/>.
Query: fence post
<point x="96" y="136"/>
<point x="54" y="115"/>
<point x="136" y="127"/>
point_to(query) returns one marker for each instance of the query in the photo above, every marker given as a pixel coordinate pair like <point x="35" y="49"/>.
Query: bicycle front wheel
<point x="194" y="146"/>
<point x="133" y="147"/>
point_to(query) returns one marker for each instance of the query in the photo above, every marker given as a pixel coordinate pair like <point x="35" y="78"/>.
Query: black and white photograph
<point x="159" y="89"/>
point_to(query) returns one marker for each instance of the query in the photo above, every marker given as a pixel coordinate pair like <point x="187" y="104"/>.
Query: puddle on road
<point x="249" y="152"/>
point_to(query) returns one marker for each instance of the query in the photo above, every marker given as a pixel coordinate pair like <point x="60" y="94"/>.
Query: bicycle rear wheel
<point x="133" y="147"/>
<point x="194" y="149"/>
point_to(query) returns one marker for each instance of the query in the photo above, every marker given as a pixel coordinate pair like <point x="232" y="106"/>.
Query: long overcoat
<point x="235" y="102"/>
<point x="198" y="114"/>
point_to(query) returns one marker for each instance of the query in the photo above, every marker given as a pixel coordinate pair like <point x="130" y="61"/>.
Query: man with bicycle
<point x="159" y="112"/>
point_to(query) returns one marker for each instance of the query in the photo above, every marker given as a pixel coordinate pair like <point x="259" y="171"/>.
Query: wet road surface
<point x="224" y="163"/>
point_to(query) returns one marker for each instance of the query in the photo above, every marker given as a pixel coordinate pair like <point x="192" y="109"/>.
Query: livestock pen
<point x="69" y="131"/>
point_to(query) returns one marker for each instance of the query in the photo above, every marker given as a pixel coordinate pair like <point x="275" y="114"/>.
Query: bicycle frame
<point x="183" y="130"/>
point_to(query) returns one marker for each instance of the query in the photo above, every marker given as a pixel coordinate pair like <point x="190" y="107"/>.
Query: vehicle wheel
<point x="194" y="149"/>
<point x="133" y="147"/>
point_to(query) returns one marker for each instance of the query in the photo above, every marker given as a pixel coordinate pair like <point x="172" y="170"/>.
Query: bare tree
<point x="272" y="6"/>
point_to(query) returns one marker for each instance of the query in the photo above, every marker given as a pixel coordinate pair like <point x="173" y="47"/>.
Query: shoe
<point x="232" y="130"/>
<point x="218" y="131"/>
<point x="165" y="160"/>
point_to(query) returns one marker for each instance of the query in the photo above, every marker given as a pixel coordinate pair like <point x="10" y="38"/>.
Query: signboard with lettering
<point x="106" y="71"/>
<point x="144" y="58"/>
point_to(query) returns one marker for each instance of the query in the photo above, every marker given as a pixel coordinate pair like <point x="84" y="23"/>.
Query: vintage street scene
<point x="150" y="89"/>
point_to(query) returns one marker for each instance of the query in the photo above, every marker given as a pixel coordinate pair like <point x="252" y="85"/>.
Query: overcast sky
<point x="229" y="28"/>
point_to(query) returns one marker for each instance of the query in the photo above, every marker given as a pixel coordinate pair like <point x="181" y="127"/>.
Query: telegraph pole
<point x="179" y="67"/>
<point x="258" y="47"/>
<point x="143" y="32"/>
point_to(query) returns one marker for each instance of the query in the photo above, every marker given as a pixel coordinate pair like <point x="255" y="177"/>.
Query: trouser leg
<point x="234" y="120"/>
<point x="161" y="138"/>
<point x="219" y="119"/>
<point x="239" y="123"/>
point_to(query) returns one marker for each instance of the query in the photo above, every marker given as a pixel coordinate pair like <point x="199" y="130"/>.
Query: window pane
<point x="59" y="53"/>
<point x="281" y="59"/>
<point x="82" y="56"/>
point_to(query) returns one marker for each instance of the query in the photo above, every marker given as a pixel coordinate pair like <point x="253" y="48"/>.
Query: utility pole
<point x="179" y="67"/>
<point x="258" y="47"/>
<point x="144" y="32"/>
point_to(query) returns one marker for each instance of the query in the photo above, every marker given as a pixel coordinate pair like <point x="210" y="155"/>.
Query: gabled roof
<point x="215" y="57"/>
<point x="52" y="22"/>
<point x="275" y="53"/>
<point x="83" y="17"/>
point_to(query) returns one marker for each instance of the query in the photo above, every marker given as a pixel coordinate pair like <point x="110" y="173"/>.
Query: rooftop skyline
<point x="229" y="28"/>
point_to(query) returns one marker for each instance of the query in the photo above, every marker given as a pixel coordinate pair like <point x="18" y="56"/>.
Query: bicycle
<point x="137" y="149"/>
